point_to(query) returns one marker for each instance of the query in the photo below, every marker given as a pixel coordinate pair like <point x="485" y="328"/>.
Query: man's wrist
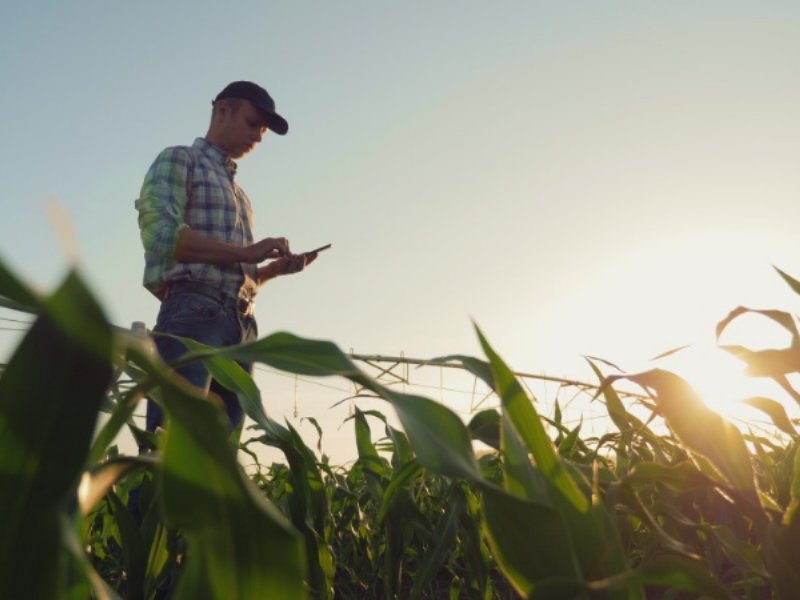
<point x="268" y="272"/>
<point x="242" y="254"/>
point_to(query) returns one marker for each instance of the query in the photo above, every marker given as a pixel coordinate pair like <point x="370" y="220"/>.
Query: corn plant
<point x="697" y="509"/>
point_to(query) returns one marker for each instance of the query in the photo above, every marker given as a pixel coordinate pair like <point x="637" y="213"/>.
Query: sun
<point x="722" y="384"/>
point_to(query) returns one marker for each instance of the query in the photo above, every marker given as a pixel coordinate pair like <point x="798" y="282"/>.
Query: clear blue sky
<point x="605" y="178"/>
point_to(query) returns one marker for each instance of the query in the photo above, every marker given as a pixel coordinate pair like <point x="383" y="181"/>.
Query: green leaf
<point x="614" y="406"/>
<point x="75" y="554"/>
<point x="528" y="425"/>
<point x="485" y="426"/>
<point x="440" y="439"/>
<point x="399" y="480"/>
<point x="240" y="545"/>
<point x="782" y="545"/>
<point x="308" y="504"/>
<point x="591" y="533"/>
<point x="294" y="354"/>
<point x="528" y="540"/>
<point x="50" y="394"/>
<point x="782" y="558"/>
<point x="625" y="494"/>
<point x="626" y="422"/>
<point x="793" y="283"/>
<point x="14" y="294"/>
<point x="520" y="477"/>
<point x="318" y="429"/>
<point x="443" y="539"/>
<point x="681" y="477"/>
<point x="746" y="556"/>
<point x="363" y="437"/>
<point x="230" y="374"/>
<point x="402" y="452"/>
<point x="161" y="558"/>
<point x="673" y="573"/>
<point x="375" y="468"/>
<point x="700" y="428"/>
<point x="782" y="318"/>
<point x="775" y="411"/>
<point x="480" y="368"/>
<point x="568" y="443"/>
<point x="121" y="414"/>
<point x="133" y="549"/>
<point x="98" y="480"/>
<point x="773" y="363"/>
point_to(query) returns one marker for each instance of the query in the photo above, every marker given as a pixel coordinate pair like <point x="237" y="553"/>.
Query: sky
<point x="576" y="178"/>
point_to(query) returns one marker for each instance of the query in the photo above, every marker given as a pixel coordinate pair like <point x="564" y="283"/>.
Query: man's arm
<point x="161" y="206"/>
<point x="195" y="247"/>
<point x="165" y="234"/>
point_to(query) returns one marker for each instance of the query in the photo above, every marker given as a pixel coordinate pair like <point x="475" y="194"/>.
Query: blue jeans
<point x="209" y="322"/>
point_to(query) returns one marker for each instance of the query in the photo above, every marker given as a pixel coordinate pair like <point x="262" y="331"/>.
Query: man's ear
<point x="222" y="109"/>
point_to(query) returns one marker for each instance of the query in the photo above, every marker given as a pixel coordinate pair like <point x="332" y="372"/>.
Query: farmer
<point x="196" y="226"/>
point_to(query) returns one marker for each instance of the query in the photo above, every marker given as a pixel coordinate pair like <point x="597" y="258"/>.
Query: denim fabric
<point x="207" y="321"/>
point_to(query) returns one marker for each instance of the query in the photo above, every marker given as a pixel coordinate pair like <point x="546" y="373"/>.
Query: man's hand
<point x="265" y="249"/>
<point x="195" y="247"/>
<point x="292" y="263"/>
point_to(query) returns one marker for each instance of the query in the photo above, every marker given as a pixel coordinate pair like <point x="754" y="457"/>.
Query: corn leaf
<point x="78" y="589"/>
<point x="15" y="294"/>
<point x="591" y="534"/>
<point x="673" y="573"/>
<point x="440" y="440"/>
<point x="743" y="554"/>
<point x="528" y="540"/>
<point x="443" y="539"/>
<point x="782" y="546"/>
<point x="308" y="504"/>
<point x="700" y="428"/>
<point x="793" y="283"/>
<point x="485" y="426"/>
<point x="240" y="546"/>
<point x="98" y="480"/>
<point x="134" y="552"/>
<point x="519" y="409"/>
<point x="50" y="394"/>
<point x="775" y="411"/>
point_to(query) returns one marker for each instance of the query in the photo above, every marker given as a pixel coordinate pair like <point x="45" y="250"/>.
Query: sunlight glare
<point x="720" y="381"/>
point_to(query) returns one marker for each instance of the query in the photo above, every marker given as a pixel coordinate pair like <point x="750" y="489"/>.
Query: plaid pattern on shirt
<point x="194" y="186"/>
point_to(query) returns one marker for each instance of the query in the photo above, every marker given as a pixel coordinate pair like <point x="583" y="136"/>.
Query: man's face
<point x="240" y="129"/>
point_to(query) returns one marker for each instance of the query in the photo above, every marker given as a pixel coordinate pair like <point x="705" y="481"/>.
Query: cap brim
<point x="276" y="123"/>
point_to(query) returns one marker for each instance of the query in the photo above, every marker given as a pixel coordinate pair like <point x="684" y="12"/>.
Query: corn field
<point x="677" y="504"/>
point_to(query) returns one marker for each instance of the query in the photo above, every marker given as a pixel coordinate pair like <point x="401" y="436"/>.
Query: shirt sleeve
<point x="162" y="204"/>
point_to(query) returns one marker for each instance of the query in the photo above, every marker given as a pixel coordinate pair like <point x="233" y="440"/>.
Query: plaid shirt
<point x="193" y="186"/>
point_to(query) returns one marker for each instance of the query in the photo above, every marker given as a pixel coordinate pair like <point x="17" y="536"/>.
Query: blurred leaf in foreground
<point x="50" y="394"/>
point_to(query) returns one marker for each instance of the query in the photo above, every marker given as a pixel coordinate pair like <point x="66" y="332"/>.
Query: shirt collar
<point x="216" y="154"/>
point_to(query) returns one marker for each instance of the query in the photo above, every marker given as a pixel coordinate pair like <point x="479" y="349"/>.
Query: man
<point x="196" y="226"/>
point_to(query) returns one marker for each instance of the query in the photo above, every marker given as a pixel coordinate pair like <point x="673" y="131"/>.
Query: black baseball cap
<point x="258" y="96"/>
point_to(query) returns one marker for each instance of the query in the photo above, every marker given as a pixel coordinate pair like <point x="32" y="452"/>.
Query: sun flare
<point x="722" y="384"/>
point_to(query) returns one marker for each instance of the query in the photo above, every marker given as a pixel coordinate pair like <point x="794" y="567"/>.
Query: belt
<point x="243" y="306"/>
